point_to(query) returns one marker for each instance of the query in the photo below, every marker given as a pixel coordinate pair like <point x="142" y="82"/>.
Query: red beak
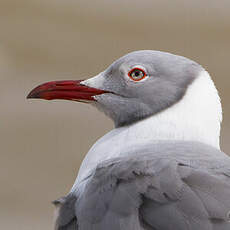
<point x="66" y="90"/>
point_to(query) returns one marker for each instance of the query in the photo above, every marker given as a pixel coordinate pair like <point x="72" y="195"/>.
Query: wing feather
<point x="160" y="194"/>
<point x="147" y="192"/>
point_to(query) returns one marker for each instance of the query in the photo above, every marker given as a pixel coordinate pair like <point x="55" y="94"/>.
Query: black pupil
<point x="137" y="73"/>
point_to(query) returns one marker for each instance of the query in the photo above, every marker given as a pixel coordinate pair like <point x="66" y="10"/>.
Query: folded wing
<point x="152" y="194"/>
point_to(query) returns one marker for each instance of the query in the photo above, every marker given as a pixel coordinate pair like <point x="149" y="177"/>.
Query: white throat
<point x="196" y="117"/>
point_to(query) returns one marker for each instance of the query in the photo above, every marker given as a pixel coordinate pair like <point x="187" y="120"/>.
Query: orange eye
<point x="137" y="74"/>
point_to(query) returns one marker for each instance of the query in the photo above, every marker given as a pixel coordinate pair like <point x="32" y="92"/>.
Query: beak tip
<point x="29" y="96"/>
<point x="32" y="95"/>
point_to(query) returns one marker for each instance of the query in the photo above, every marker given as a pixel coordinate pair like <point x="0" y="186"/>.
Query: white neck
<point x="196" y="117"/>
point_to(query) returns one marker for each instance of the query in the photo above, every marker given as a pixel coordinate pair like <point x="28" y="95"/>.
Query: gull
<point x="161" y="167"/>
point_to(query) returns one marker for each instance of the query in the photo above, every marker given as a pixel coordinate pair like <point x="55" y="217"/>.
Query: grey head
<point x="141" y="84"/>
<point x="176" y="95"/>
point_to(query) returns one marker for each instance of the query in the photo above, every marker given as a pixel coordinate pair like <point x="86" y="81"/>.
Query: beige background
<point x="42" y="143"/>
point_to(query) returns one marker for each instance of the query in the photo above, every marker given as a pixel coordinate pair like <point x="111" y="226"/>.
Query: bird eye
<point x="137" y="74"/>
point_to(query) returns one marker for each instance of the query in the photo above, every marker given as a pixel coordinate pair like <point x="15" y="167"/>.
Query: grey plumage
<point x="170" y="185"/>
<point x="169" y="77"/>
<point x="66" y="218"/>
<point x="161" y="167"/>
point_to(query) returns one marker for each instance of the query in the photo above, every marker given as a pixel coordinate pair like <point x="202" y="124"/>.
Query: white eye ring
<point x="137" y="74"/>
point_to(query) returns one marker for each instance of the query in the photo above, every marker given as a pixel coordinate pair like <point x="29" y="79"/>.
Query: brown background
<point x="42" y="143"/>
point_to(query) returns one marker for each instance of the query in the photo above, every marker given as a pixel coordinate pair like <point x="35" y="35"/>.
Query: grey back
<point x="182" y="185"/>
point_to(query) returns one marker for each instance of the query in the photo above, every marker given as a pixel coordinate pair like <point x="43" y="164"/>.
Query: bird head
<point x="142" y="84"/>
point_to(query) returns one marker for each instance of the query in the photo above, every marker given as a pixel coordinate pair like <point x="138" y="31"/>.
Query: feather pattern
<point x="149" y="191"/>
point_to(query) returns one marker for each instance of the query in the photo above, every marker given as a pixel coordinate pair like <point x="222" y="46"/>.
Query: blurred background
<point x="43" y="143"/>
